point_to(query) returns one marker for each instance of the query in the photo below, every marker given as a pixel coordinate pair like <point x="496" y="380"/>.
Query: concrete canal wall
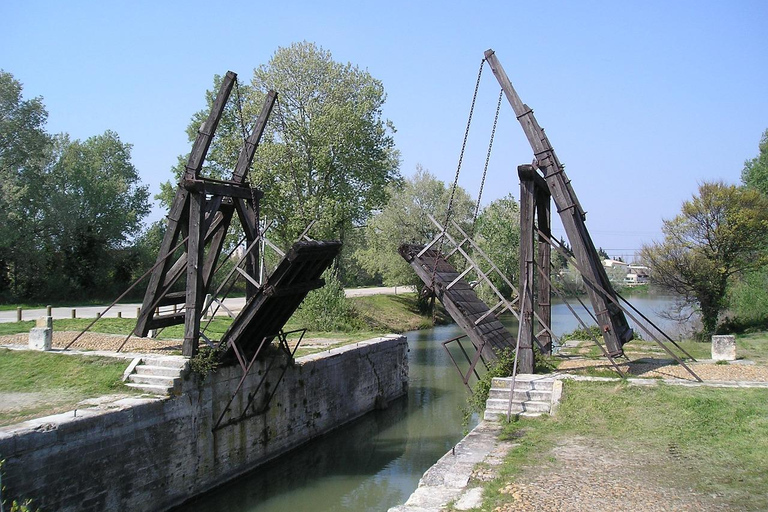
<point x="152" y="454"/>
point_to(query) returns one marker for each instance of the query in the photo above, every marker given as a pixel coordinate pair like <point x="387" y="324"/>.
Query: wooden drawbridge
<point x="485" y="331"/>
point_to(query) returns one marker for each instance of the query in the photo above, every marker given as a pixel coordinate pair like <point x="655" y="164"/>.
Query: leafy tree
<point x="405" y="219"/>
<point x="96" y="203"/>
<point x="755" y="172"/>
<point x="327" y="153"/>
<point x="719" y="233"/>
<point x="24" y="146"/>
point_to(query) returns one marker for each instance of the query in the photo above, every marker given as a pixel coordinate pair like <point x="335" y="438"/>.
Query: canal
<point x="376" y="462"/>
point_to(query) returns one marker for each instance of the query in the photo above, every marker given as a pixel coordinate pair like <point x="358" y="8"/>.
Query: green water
<point x="371" y="464"/>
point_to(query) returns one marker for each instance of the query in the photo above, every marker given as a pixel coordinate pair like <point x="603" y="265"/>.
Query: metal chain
<point x="290" y="161"/>
<point x="456" y="177"/>
<point x="487" y="160"/>
<point x="240" y="110"/>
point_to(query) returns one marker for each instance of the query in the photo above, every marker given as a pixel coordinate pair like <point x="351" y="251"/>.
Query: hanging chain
<point x="487" y="160"/>
<point x="290" y="161"/>
<point x="456" y="179"/>
<point x="240" y="110"/>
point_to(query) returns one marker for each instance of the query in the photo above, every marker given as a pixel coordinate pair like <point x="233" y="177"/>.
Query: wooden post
<point x="195" y="247"/>
<point x="527" y="212"/>
<point x="613" y="323"/>
<point x="543" y="261"/>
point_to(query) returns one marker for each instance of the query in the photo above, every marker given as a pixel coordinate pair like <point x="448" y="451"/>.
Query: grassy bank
<point x="374" y="315"/>
<point x="711" y="441"/>
<point x="35" y="383"/>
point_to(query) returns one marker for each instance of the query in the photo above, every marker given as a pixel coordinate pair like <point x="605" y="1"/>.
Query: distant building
<point x="637" y="274"/>
<point x="633" y="274"/>
<point x="615" y="264"/>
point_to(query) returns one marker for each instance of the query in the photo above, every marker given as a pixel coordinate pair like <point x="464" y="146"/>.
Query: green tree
<point x="95" y="203"/>
<point x="24" y="147"/>
<point x="721" y="232"/>
<point x="327" y="153"/>
<point x="405" y="219"/>
<point x="755" y="172"/>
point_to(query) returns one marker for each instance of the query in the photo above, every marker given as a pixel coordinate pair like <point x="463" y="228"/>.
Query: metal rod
<point x="126" y="292"/>
<point x="517" y="353"/>
<point x="655" y="326"/>
<point x="632" y="317"/>
<point x="586" y="328"/>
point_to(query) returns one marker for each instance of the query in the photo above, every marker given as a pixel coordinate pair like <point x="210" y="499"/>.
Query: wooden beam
<point x="543" y="307"/>
<point x="612" y="321"/>
<point x="527" y="211"/>
<point x="249" y="149"/>
<point x="195" y="292"/>
<point x="206" y="131"/>
<point x="220" y="189"/>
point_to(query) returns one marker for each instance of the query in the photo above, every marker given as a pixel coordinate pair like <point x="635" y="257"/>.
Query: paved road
<point x="129" y="310"/>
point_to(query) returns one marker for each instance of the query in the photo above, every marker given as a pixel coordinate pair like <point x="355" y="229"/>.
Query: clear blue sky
<point x="641" y="100"/>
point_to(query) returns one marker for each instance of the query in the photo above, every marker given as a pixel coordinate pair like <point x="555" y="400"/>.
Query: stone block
<point x="724" y="347"/>
<point x="40" y="338"/>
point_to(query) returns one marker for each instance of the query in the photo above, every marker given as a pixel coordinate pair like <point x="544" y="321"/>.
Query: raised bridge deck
<point x="474" y="317"/>
<point x="265" y="314"/>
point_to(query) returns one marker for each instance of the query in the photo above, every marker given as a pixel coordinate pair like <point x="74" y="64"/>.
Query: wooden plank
<point x="159" y="322"/>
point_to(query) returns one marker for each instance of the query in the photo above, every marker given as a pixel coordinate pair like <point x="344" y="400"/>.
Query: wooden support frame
<point x="613" y="323"/>
<point x="534" y="209"/>
<point x="202" y="212"/>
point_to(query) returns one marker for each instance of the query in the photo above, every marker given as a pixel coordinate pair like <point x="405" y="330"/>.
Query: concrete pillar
<point x="41" y="336"/>
<point x="724" y="347"/>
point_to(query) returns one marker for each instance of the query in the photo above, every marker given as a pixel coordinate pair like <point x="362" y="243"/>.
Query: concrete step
<point x="496" y="404"/>
<point x="158" y="371"/>
<point x="521" y="395"/>
<point x="502" y="415"/>
<point x="155" y="380"/>
<point x="537" y="382"/>
<point x="178" y="362"/>
<point x="150" y="388"/>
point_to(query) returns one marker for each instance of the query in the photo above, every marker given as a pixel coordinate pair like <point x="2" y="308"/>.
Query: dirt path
<point x="582" y="474"/>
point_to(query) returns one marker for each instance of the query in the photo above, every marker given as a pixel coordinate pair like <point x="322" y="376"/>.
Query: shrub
<point x="326" y="309"/>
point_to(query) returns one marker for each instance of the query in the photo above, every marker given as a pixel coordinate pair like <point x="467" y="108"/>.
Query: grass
<point x="394" y="313"/>
<point x="54" y="382"/>
<point x="720" y="435"/>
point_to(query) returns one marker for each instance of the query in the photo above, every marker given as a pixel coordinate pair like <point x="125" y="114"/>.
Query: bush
<point x="326" y="309"/>
<point x="748" y="303"/>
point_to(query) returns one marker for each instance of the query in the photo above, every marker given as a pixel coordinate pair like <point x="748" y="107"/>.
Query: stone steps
<point x="533" y="396"/>
<point x="157" y="375"/>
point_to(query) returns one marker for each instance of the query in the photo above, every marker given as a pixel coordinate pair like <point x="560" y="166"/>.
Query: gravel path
<point x="585" y="475"/>
<point x="101" y="341"/>
<point x="668" y="369"/>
